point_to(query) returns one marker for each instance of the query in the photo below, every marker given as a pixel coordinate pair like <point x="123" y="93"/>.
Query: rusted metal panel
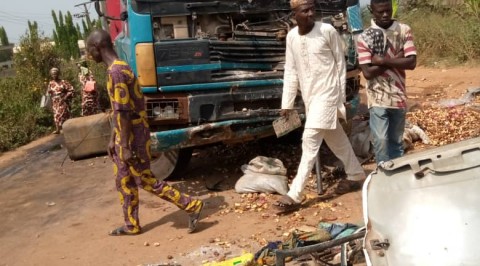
<point x="226" y="131"/>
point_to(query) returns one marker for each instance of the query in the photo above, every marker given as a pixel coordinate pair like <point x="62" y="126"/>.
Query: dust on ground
<point x="58" y="212"/>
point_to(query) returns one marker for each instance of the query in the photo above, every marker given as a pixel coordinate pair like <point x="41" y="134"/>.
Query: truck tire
<point x="170" y="164"/>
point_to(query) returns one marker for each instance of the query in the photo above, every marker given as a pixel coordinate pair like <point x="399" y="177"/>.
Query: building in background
<point x="6" y="55"/>
<point x="82" y="48"/>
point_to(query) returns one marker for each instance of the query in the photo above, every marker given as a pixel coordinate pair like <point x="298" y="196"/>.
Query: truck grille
<point x="163" y="109"/>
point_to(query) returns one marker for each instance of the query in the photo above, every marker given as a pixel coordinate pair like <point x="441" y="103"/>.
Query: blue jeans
<point x="387" y="126"/>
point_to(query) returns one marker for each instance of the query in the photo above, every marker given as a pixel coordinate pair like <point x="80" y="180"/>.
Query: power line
<point x="10" y="16"/>
<point x="23" y="13"/>
<point x="18" y="21"/>
<point x="22" y="18"/>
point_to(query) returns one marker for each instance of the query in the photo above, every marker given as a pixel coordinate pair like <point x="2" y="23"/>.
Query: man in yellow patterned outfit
<point x="129" y="146"/>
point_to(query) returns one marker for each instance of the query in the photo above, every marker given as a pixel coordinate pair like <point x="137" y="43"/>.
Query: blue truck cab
<point x="212" y="71"/>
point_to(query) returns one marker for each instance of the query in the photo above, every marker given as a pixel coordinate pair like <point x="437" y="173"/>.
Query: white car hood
<point x="424" y="208"/>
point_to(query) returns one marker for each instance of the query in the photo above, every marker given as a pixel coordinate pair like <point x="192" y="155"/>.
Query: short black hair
<point x="372" y="2"/>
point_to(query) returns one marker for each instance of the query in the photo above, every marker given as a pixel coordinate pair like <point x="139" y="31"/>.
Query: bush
<point x="444" y="36"/>
<point x="22" y="120"/>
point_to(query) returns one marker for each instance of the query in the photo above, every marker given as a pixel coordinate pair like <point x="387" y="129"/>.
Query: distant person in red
<point x="89" y="91"/>
<point x="61" y="92"/>
<point x="129" y="146"/>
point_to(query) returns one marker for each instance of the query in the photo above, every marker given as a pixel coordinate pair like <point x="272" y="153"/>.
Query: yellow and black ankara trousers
<point x="130" y="177"/>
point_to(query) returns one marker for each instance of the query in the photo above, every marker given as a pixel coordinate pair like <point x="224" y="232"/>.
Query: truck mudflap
<point x="230" y="131"/>
<point x="422" y="209"/>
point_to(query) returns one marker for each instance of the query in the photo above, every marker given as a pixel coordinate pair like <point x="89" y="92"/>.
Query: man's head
<point x="382" y="12"/>
<point x="304" y="13"/>
<point x="98" y="42"/>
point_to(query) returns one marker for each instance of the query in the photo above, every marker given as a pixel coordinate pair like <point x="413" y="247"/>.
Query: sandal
<point x="194" y="217"/>
<point x="346" y="186"/>
<point x="286" y="204"/>
<point x="122" y="232"/>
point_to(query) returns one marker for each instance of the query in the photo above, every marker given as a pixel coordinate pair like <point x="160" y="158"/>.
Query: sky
<point x="14" y="15"/>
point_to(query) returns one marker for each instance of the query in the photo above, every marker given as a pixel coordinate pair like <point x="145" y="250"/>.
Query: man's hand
<point x="128" y="156"/>
<point x="285" y="112"/>
<point x="111" y="148"/>
<point x="400" y="54"/>
<point x="378" y="60"/>
<point x="348" y="105"/>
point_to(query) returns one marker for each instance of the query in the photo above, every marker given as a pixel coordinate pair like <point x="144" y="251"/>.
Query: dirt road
<point x="58" y="212"/>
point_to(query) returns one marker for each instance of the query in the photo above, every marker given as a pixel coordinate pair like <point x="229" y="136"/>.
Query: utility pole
<point x="86" y="14"/>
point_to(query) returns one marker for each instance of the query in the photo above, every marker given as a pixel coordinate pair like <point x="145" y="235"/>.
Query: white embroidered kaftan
<point x="315" y="65"/>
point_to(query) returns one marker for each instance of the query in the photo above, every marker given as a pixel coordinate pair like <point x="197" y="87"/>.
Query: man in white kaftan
<point x="315" y="65"/>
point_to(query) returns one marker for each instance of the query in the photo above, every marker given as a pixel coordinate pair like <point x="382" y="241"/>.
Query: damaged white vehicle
<point x="423" y="208"/>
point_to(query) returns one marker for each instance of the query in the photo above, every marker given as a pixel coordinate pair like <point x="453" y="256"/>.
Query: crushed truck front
<point x="212" y="71"/>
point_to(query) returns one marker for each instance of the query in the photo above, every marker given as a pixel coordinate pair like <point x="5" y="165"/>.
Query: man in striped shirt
<point x="385" y="51"/>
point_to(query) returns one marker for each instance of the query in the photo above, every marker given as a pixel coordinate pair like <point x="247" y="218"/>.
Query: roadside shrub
<point x="22" y="120"/>
<point x="446" y="35"/>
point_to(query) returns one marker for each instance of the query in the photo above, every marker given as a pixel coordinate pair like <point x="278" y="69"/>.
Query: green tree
<point x="66" y="35"/>
<point x="89" y="25"/>
<point x="35" y="58"/>
<point x="85" y="28"/>
<point x="3" y="37"/>
<point x="395" y="8"/>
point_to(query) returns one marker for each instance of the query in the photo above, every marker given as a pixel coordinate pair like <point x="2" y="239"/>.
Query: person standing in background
<point x="385" y="51"/>
<point x="61" y="92"/>
<point x="90" y="105"/>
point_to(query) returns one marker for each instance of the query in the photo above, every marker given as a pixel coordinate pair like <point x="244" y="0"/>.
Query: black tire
<point x="170" y="164"/>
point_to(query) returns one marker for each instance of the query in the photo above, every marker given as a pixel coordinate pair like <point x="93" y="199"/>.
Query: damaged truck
<point x="212" y="71"/>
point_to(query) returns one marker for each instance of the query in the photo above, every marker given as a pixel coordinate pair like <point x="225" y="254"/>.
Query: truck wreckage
<point x="212" y="71"/>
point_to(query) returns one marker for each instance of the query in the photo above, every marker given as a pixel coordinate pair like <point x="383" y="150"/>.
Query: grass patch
<point x="447" y="38"/>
